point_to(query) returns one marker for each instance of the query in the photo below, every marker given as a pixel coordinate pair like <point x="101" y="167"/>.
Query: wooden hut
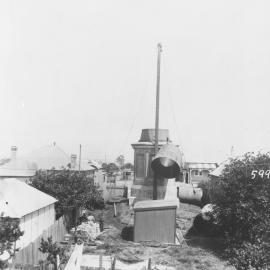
<point x="155" y="221"/>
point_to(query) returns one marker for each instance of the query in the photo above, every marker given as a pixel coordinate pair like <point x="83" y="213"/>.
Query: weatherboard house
<point x="34" y="208"/>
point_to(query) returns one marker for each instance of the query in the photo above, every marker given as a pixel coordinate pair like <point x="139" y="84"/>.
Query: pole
<point x="80" y="156"/>
<point x="157" y="118"/>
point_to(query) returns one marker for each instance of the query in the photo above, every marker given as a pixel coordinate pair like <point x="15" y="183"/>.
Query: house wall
<point x="195" y="179"/>
<point x="99" y="178"/>
<point x="33" y="224"/>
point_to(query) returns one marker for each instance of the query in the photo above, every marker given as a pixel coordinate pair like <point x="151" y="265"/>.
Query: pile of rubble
<point x="87" y="231"/>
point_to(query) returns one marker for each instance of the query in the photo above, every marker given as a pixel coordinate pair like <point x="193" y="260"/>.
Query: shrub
<point x="242" y="205"/>
<point x="53" y="251"/>
<point x="9" y="233"/>
<point x="72" y="189"/>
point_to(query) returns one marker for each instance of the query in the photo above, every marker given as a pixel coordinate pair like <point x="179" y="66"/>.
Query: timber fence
<point x="30" y="255"/>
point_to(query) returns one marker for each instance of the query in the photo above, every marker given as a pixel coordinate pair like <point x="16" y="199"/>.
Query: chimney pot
<point x="13" y="152"/>
<point x="73" y="160"/>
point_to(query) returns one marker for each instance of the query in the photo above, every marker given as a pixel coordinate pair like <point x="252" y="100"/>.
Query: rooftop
<point x="18" y="199"/>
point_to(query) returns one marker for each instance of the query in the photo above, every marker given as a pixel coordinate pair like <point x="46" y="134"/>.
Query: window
<point x="198" y="173"/>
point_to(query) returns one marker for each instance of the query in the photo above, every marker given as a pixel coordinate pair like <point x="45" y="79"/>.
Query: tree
<point x="120" y="161"/>
<point x="242" y="208"/>
<point x="72" y="189"/>
<point x="128" y="166"/>
<point x="112" y="168"/>
<point x="9" y="233"/>
<point x="104" y="166"/>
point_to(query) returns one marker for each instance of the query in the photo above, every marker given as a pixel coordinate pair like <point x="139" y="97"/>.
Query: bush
<point x="52" y="250"/>
<point x="250" y="256"/>
<point x="72" y="189"/>
<point x="9" y="233"/>
<point x="242" y="205"/>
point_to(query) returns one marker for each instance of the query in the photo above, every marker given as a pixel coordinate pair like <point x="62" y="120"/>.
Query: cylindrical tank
<point x="168" y="161"/>
<point x="189" y="194"/>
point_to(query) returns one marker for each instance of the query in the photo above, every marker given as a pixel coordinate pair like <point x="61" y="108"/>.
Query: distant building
<point x="127" y="174"/>
<point x="49" y="157"/>
<point x="196" y="172"/>
<point x="217" y="173"/>
<point x="34" y="208"/>
<point x="20" y="168"/>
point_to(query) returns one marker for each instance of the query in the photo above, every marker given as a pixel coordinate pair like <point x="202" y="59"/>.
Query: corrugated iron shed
<point x="18" y="199"/>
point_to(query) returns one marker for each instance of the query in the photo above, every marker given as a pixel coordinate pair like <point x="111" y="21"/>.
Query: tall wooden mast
<point x="157" y="117"/>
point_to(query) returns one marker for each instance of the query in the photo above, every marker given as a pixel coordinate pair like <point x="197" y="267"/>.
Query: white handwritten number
<point x="253" y="174"/>
<point x="261" y="173"/>
<point x="267" y="173"/>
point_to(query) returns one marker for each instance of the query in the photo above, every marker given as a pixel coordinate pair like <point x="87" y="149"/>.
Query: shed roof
<point x="154" y="205"/>
<point x="18" y="199"/>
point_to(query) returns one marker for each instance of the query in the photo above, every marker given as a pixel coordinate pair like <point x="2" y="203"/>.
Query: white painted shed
<point x="34" y="208"/>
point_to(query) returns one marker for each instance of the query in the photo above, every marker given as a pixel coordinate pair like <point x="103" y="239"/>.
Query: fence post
<point x="114" y="208"/>
<point x="100" y="262"/>
<point x="149" y="264"/>
<point x="113" y="263"/>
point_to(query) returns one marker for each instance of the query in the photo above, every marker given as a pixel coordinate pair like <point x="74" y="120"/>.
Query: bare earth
<point x="194" y="253"/>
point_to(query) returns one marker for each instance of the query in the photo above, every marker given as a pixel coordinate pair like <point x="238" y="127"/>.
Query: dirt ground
<point x="194" y="253"/>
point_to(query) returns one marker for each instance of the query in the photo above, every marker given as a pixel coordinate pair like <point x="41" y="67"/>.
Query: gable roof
<point x="85" y="166"/>
<point x="18" y="167"/>
<point x="49" y="157"/>
<point x="18" y="199"/>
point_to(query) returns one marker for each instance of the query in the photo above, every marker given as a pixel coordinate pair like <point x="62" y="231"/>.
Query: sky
<point x="84" y="72"/>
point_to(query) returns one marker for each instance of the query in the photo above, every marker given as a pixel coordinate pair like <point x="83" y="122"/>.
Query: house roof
<point x="95" y="164"/>
<point x="18" y="167"/>
<point x="219" y="170"/>
<point x="85" y="166"/>
<point x="18" y="199"/>
<point x="49" y="157"/>
<point x="200" y="165"/>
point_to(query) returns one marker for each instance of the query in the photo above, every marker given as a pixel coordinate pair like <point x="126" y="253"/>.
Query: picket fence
<point x="30" y="255"/>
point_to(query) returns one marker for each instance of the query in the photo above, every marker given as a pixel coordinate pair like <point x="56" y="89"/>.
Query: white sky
<point x="85" y="72"/>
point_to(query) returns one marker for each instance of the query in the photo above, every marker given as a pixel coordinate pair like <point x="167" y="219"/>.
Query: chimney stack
<point x="73" y="160"/>
<point x="13" y="152"/>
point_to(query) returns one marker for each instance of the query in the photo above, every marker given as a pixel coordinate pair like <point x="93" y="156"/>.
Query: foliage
<point x="53" y="250"/>
<point x="128" y="165"/>
<point x="104" y="166"/>
<point x="110" y="168"/>
<point x="72" y="189"/>
<point x="120" y="161"/>
<point x="242" y="205"/>
<point x="9" y="233"/>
